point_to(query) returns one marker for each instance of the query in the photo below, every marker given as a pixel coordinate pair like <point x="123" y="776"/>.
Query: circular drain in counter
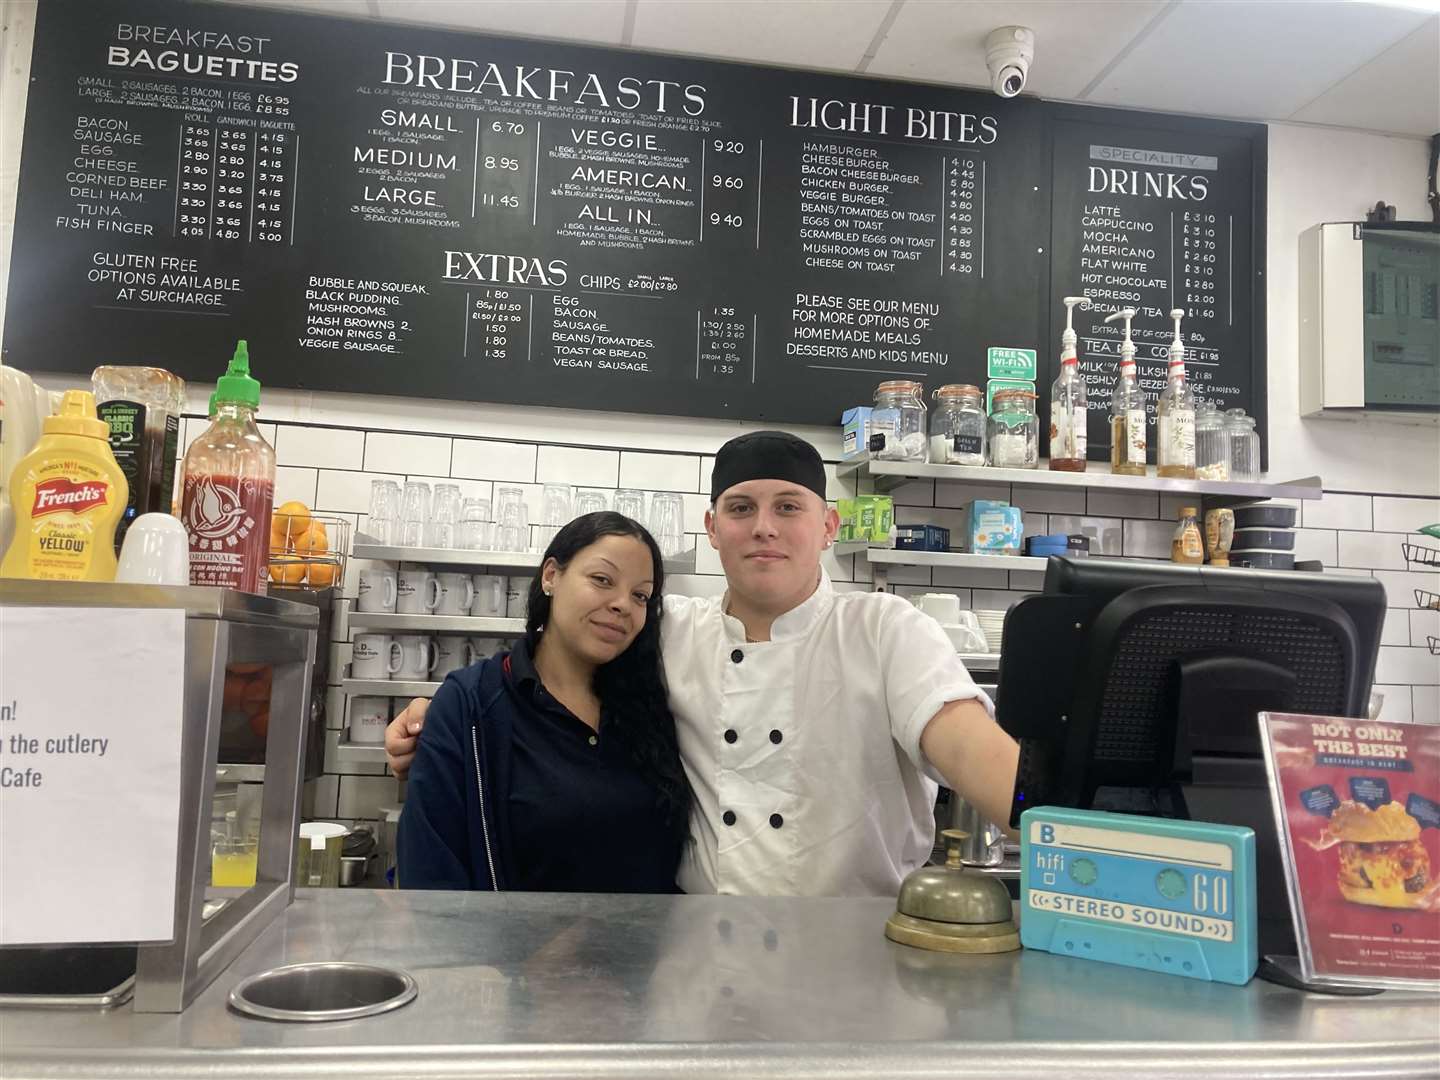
<point x="323" y="991"/>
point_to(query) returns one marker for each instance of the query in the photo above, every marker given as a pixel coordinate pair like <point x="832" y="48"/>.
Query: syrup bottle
<point x="1127" y="409"/>
<point x="1068" y="436"/>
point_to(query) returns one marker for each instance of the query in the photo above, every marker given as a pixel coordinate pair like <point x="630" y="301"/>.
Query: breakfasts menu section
<point x="386" y="208"/>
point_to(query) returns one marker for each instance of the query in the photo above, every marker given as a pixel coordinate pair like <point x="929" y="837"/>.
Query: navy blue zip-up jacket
<point x="427" y="841"/>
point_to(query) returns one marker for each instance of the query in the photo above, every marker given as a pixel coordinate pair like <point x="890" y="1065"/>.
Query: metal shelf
<point x="890" y="474"/>
<point x="390" y="687"/>
<point x="367" y="547"/>
<point x="359" y="753"/>
<point x="434" y="624"/>
<point x="879" y="556"/>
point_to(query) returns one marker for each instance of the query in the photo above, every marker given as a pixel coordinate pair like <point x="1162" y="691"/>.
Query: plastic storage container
<point x="957" y="426"/>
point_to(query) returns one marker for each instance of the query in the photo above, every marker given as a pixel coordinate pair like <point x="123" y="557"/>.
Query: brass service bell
<point x="951" y="909"/>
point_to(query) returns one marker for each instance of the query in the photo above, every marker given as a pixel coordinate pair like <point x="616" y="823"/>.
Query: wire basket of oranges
<point x="307" y="550"/>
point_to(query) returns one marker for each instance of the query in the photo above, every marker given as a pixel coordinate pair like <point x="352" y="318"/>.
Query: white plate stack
<point x="993" y="625"/>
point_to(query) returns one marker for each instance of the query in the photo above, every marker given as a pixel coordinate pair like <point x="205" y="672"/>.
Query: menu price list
<point x="1150" y="223"/>
<point x="447" y="214"/>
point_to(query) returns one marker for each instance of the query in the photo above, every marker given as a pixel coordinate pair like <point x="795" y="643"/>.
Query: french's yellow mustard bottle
<point x="68" y="495"/>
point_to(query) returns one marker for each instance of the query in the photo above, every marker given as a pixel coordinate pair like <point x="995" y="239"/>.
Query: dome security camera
<point x="1008" y="52"/>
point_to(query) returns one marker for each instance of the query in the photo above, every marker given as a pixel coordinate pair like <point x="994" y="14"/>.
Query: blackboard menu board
<point x="383" y="208"/>
<point x="392" y="209"/>
<point x="1160" y="214"/>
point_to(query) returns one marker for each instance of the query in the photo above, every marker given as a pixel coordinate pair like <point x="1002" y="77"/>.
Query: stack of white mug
<point x="413" y="590"/>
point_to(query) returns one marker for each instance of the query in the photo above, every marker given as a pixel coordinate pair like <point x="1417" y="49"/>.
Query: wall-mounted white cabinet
<point x="1369" y="325"/>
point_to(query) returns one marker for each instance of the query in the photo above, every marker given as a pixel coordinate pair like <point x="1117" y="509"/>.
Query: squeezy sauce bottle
<point x="69" y="495"/>
<point x="228" y="488"/>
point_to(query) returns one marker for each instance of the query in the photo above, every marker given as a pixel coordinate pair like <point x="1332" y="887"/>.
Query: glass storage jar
<point x="1014" y="430"/>
<point x="1244" y="445"/>
<point x="957" y="428"/>
<point x="902" y="407"/>
<point x="1212" y="443"/>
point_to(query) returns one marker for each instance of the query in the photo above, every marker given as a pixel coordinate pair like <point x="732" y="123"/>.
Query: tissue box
<point x="922" y="538"/>
<point x="991" y="527"/>
<point x="868" y="518"/>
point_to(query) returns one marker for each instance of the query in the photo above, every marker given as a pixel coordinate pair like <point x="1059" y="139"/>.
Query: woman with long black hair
<point x="554" y="767"/>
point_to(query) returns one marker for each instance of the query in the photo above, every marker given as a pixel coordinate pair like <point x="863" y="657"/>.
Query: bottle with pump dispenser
<point x="1175" y="416"/>
<point x="1128" y="441"/>
<point x="1068" y="416"/>
<point x="228" y="488"/>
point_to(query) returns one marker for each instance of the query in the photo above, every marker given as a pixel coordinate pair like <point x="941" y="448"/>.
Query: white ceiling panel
<point x="830" y="34"/>
<point x="1251" y="59"/>
<point x="351" y="8"/>
<point x="601" y="22"/>
<point x="944" y="40"/>
<point x="1397" y="91"/>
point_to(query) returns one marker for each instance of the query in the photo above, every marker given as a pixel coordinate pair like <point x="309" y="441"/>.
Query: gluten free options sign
<point x="91" y="704"/>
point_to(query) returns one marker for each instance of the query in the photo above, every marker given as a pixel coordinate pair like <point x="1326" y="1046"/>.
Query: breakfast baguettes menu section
<point x="385" y="208"/>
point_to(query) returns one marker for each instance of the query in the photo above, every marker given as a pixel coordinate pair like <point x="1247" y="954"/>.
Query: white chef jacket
<point x="804" y="750"/>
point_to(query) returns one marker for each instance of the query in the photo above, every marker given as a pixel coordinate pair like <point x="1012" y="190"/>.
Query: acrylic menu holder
<point x="1357" y="809"/>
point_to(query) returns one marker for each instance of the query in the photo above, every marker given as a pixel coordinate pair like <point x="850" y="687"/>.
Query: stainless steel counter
<point x="530" y="985"/>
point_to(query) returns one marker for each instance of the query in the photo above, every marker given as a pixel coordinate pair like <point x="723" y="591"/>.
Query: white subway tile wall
<point x="389" y="452"/>
<point x="330" y="468"/>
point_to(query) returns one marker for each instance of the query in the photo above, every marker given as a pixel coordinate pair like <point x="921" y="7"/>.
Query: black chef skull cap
<point x="767" y="455"/>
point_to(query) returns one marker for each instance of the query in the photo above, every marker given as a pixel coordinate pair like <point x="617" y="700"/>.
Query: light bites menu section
<point x="1157" y="220"/>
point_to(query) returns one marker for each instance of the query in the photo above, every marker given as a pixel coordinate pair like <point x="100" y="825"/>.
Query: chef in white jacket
<point x="813" y="724"/>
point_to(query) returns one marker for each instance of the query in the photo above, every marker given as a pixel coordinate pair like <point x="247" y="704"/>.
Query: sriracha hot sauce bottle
<point x="229" y="488"/>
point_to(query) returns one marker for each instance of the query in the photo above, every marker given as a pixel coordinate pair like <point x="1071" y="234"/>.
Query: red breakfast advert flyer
<point x="1358" y="802"/>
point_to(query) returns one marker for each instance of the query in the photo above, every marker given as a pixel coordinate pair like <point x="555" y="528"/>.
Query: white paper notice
<point x="91" y="714"/>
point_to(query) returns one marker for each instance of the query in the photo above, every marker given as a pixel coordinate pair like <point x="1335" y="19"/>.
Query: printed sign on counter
<point x="1354" y="803"/>
<point x="91" y="710"/>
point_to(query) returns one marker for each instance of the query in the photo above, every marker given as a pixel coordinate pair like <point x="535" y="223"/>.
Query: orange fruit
<point x="285" y="570"/>
<point x="289" y="521"/>
<point x="312" y="541"/>
<point x="322" y="575"/>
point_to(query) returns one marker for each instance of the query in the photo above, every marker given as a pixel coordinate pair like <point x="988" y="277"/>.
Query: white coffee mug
<point x="517" y="597"/>
<point x="489" y="600"/>
<point x="416" y="591"/>
<point x="452" y="654"/>
<point x="378" y="589"/>
<point x="156" y="551"/>
<point x="374" y="656"/>
<point x="943" y="607"/>
<point x="417" y="659"/>
<point x="368" y="718"/>
<point x="457" y="593"/>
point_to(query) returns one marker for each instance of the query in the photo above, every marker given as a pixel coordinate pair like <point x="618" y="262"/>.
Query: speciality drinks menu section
<point x="1159" y="218"/>
<point x="391" y="209"/>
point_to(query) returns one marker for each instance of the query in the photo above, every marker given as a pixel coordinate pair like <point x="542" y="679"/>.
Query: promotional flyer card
<point x="1357" y="804"/>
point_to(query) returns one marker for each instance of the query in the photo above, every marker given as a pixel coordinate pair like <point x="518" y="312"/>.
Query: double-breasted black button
<point x="737" y="655"/>
<point x="776" y="821"/>
<point x="728" y="817"/>
<point x="775" y="736"/>
<point x="731" y="735"/>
